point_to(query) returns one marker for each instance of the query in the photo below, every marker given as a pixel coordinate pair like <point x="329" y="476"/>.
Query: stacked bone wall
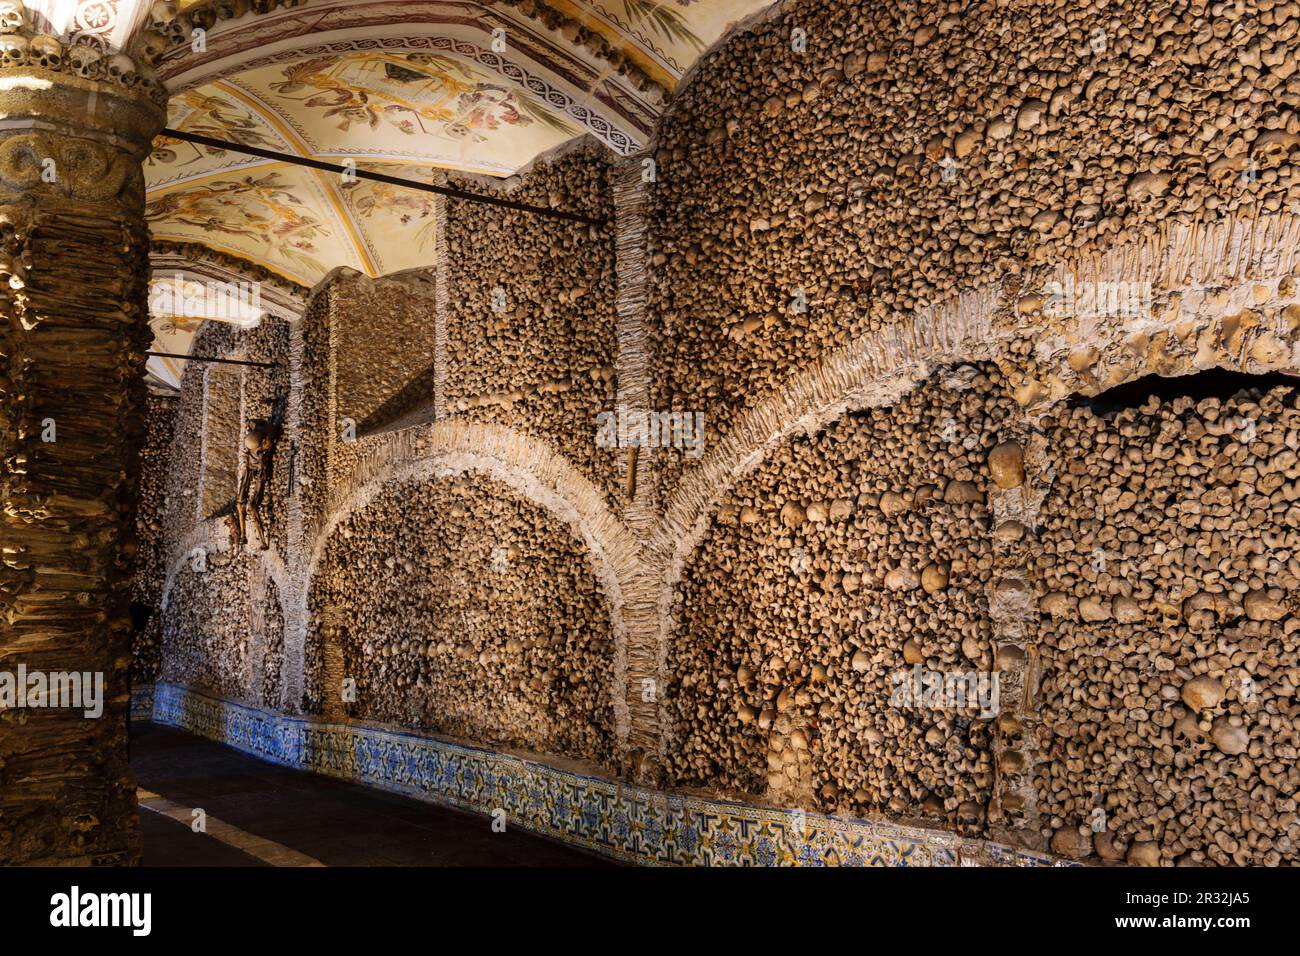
<point x="312" y="459"/>
<point x="915" y="150"/>
<point x="209" y="640"/>
<point x="206" y="635"/>
<point x="845" y="559"/>
<point x="385" y="348"/>
<point x="1168" y="575"/>
<point x="185" y="472"/>
<point x="531" y="332"/>
<point x="151" y="555"/>
<point x="272" y="648"/>
<point x="463" y="610"/>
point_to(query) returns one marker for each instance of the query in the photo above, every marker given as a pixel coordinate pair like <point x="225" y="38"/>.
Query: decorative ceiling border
<point x="284" y="296"/>
<point x="631" y="115"/>
<point x="206" y="13"/>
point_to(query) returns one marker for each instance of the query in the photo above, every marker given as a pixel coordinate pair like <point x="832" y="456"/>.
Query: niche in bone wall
<point x="207" y="639"/>
<point x="531" y="327"/>
<point x="151" y="551"/>
<point x="455" y="607"/>
<point x="914" y="151"/>
<point x="1167" y="567"/>
<point x="221" y="437"/>
<point x="841" y="565"/>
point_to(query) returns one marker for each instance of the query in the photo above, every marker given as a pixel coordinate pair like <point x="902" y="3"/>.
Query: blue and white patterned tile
<point x="629" y="823"/>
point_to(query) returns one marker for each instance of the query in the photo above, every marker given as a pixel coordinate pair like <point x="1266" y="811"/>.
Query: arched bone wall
<point x="461" y="609"/>
<point x="1056" y="199"/>
<point x="213" y="635"/>
<point x="841" y="561"/>
<point x="531" y="469"/>
<point x="910" y="152"/>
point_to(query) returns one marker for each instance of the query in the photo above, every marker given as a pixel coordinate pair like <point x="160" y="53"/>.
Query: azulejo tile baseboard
<point x="141" y="702"/>
<point x="628" y="823"/>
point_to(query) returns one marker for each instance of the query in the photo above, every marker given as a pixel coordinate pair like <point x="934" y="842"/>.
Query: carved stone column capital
<point x="63" y="136"/>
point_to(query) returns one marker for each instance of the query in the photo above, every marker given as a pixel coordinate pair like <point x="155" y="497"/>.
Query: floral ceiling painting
<point x="407" y="115"/>
<point x="408" y="88"/>
<point x="426" y="107"/>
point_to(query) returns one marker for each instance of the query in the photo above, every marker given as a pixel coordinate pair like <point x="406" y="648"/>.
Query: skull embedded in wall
<point x="164" y="11"/>
<point x="231" y="9"/>
<point x="84" y="60"/>
<point x="122" y="69"/>
<point x="46" y="51"/>
<point x="12" y="269"/>
<point x="13" y="17"/>
<point x="13" y="50"/>
<point x="150" y="46"/>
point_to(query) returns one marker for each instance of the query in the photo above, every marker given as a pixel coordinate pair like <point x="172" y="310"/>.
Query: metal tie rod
<point x="209" y="358"/>
<point x="379" y="177"/>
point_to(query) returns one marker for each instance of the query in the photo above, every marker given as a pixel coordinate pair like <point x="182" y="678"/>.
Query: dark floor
<point x="335" y="823"/>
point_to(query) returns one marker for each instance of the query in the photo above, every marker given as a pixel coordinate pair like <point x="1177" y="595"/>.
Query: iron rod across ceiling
<point x="207" y="358"/>
<point x="380" y="177"/>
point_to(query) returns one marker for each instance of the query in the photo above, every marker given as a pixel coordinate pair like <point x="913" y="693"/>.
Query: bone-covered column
<point x="75" y="126"/>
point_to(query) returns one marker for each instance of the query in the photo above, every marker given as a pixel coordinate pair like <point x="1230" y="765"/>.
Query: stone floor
<point x="259" y="814"/>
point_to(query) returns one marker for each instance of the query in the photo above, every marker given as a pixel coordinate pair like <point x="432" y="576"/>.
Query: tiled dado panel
<point x="628" y="823"/>
<point x="142" y="702"/>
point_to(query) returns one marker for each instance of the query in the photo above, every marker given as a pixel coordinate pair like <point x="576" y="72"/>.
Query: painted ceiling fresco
<point x="402" y="114"/>
<point x="179" y="304"/>
<point x="672" y="33"/>
<point x="406" y="88"/>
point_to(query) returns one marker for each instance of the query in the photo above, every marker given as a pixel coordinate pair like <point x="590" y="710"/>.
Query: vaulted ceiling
<point x="406" y="87"/>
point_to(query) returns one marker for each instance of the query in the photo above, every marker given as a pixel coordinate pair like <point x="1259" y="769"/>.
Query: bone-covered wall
<point x="386" y="364"/>
<point x="840" y="563"/>
<point x="531" y="336"/>
<point x="458" y="608"/>
<point x="903" y="153"/>
<point x="151" y="542"/>
<point x="1168" y="571"/>
<point x="920" y="458"/>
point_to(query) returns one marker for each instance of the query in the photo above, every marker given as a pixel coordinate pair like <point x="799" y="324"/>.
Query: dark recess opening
<point x="1211" y="383"/>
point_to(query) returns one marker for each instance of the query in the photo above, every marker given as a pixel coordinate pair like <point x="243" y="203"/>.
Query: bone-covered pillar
<point x="75" y="127"/>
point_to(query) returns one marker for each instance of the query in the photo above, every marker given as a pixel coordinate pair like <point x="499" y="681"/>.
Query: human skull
<point x="151" y="45"/>
<point x="84" y="60"/>
<point x="46" y="51"/>
<point x="13" y="50"/>
<point x="12" y="16"/>
<point x="164" y="11"/>
<point x="12" y="268"/>
<point x="232" y="9"/>
<point x="122" y="69"/>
